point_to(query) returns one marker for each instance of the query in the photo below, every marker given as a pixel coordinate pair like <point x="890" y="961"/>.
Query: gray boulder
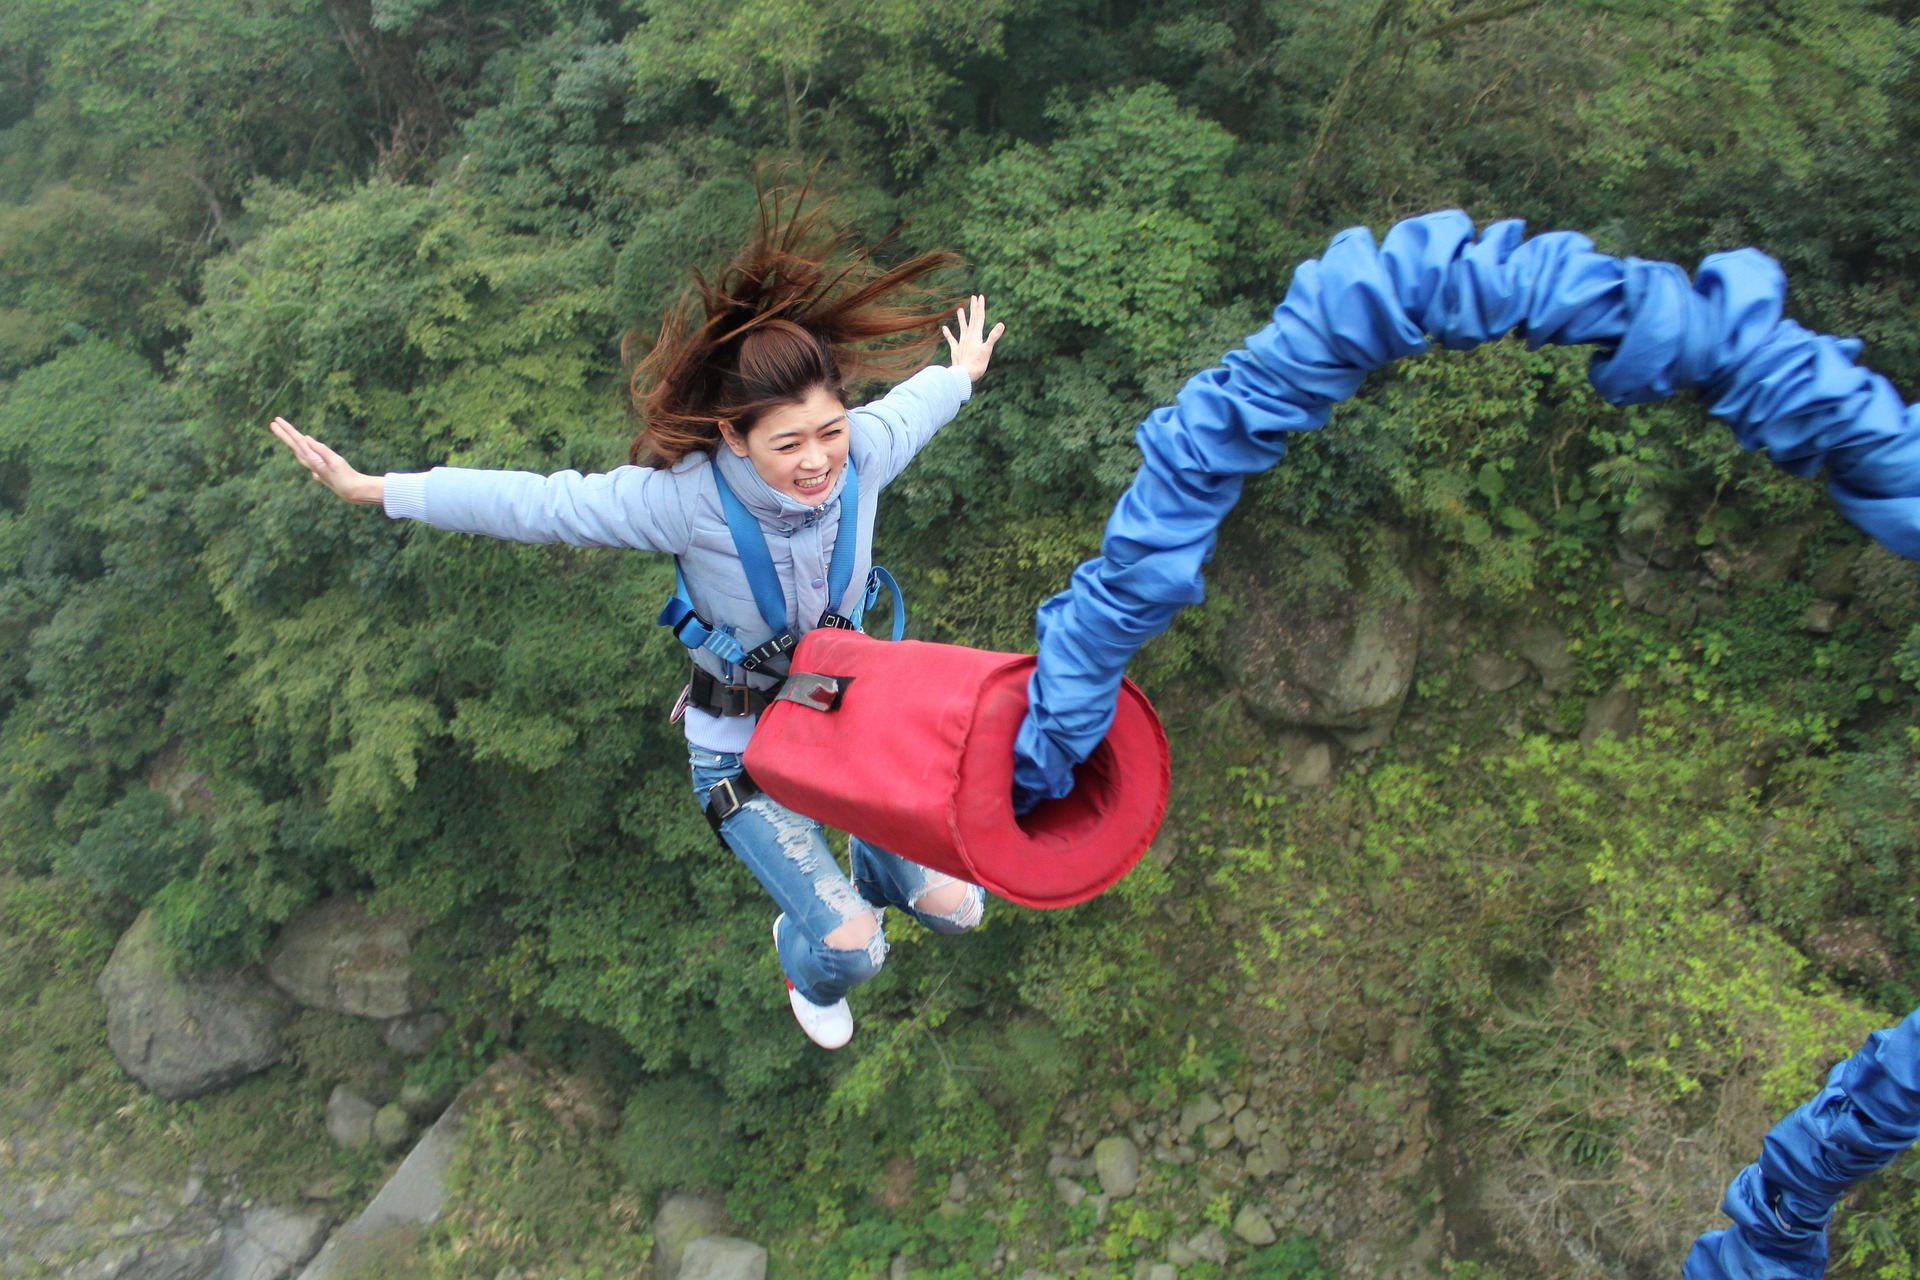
<point x="1544" y="647"/>
<point x="181" y="1036"/>
<point x="1308" y="762"/>
<point x="1116" y="1162"/>
<point x="177" y="1260"/>
<point x="1344" y="665"/>
<point x="413" y="1036"/>
<point x="1493" y="672"/>
<point x="682" y="1219"/>
<point x="1821" y="617"/>
<point x="421" y="1101"/>
<point x="336" y="957"/>
<point x="271" y="1244"/>
<point x="350" y="1117"/>
<point x="1251" y="1225"/>
<point x="1612" y="712"/>
<point x="1209" y="1245"/>
<point x="1200" y="1112"/>
<point x="392" y="1126"/>
<point x="723" y="1258"/>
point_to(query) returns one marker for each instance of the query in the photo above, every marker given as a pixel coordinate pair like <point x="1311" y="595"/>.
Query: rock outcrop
<point x="1345" y="666"/>
<point x="724" y="1258"/>
<point x="336" y="957"/>
<point x="682" y="1219"/>
<point x="266" y="1243"/>
<point x="185" y="1036"/>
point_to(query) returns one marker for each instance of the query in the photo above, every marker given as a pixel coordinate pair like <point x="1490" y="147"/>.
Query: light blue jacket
<point x="677" y="510"/>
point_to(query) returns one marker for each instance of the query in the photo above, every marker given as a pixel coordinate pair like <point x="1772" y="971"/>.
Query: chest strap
<point x="769" y="597"/>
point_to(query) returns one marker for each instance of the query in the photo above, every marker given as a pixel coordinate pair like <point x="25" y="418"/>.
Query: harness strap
<point x="706" y="691"/>
<point x="694" y="631"/>
<point x="769" y="597"/>
<point x="846" y="544"/>
<point x="728" y="797"/>
<point x="875" y="580"/>
<point x="750" y="544"/>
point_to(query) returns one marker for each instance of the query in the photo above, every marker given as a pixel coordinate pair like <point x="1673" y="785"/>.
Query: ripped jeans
<point x="788" y="855"/>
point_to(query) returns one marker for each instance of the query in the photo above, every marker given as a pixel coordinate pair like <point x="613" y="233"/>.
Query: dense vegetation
<point x="419" y="229"/>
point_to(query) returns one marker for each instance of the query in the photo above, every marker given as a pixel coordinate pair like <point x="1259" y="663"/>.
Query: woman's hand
<point x="971" y="351"/>
<point x="328" y="467"/>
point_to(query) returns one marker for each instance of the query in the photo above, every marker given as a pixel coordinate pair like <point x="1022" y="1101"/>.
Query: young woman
<point x="743" y="404"/>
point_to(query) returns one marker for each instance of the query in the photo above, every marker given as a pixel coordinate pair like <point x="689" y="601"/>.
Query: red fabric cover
<point x="918" y="759"/>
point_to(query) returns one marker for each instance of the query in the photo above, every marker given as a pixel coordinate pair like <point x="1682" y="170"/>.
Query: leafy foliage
<point x="421" y="230"/>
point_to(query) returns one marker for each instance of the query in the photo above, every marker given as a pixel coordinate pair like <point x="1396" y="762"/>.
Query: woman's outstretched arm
<point x="638" y="507"/>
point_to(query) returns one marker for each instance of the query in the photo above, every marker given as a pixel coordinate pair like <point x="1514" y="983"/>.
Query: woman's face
<point x="798" y="448"/>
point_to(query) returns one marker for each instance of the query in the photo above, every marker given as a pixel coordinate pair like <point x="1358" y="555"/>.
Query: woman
<point x="743" y="405"/>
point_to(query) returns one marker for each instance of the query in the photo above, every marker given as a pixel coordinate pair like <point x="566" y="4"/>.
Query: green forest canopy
<point x="420" y="230"/>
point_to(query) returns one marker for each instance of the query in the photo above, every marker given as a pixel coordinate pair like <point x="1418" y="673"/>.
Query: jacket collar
<point x="762" y="499"/>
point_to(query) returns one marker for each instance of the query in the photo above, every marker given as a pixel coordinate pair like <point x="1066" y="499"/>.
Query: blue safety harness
<point x="750" y="544"/>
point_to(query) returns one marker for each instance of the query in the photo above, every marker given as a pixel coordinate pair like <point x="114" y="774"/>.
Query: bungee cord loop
<point x="1721" y="334"/>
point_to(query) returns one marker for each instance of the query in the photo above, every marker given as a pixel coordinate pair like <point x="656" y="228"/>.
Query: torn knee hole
<point x="945" y="900"/>
<point x="957" y="903"/>
<point x="855" y="934"/>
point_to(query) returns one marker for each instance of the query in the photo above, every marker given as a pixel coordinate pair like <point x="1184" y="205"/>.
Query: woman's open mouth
<point x="811" y="485"/>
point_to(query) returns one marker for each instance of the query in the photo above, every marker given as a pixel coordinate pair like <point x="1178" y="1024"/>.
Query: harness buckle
<point x="727" y="797"/>
<point x="838" y="622"/>
<point x="778" y="647"/>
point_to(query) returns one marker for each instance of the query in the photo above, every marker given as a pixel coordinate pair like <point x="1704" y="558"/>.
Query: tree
<point x="794" y="64"/>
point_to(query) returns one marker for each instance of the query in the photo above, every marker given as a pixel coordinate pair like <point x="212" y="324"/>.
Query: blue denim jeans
<point x="788" y="855"/>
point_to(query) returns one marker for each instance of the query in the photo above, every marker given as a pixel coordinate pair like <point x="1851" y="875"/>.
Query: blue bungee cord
<point x="1721" y="334"/>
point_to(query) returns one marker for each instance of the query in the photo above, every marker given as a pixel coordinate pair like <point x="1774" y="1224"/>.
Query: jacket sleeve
<point x="888" y="432"/>
<point x="638" y="507"/>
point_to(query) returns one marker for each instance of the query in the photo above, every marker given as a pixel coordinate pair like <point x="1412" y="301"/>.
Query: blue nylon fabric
<point x="1782" y="388"/>
<point x="1866" y="1116"/>
<point x="1794" y="393"/>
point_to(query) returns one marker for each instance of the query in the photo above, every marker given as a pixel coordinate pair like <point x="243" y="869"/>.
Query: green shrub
<point x="673" y="1134"/>
<point x="137" y="847"/>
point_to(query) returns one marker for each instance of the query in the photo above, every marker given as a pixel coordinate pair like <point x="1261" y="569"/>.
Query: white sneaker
<point x="828" y="1025"/>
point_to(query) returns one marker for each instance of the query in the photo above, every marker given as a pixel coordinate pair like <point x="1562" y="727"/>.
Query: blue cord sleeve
<point x="1794" y="393"/>
<point x="1780" y="1205"/>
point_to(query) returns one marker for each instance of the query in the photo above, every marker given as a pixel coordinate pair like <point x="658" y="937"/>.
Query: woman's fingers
<point x="297" y="443"/>
<point x="307" y="451"/>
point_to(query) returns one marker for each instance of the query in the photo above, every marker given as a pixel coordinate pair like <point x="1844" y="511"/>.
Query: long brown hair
<point x="797" y="308"/>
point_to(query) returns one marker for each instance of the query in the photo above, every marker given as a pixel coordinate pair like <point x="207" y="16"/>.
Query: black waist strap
<point x="706" y="692"/>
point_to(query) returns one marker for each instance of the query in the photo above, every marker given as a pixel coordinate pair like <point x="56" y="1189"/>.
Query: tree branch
<point x="1337" y="105"/>
<point x="1473" y="19"/>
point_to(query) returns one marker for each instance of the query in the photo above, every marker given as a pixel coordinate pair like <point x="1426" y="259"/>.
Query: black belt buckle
<point x="837" y="622"/>
<point x="727" y="797"/>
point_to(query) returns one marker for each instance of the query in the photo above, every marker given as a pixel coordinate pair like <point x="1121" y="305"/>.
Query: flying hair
<point x="803" y="305"/>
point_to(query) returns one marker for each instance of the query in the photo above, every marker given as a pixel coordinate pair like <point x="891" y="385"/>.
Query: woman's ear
<point x="735" y="441"/>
